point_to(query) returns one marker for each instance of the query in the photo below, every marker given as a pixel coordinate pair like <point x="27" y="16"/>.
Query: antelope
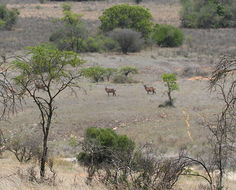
<point x="150" y="89"/>
<point x="110" y="90"/>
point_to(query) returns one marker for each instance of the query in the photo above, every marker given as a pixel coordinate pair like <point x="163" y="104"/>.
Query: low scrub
<point x="8" y="17"/>
<point x="121" y="79"/>
<point x="208" y="13"/>
<point x="167" y="36"/>
<point x="129" y="40"/>
<point x="120" y="164"/>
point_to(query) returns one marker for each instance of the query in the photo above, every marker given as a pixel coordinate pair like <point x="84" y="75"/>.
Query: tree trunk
<point x="170" y="98"/>
<point x="44" y="156"/>
<point x="45" y="146"/>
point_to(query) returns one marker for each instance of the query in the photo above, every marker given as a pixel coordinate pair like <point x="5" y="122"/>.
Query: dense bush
<point x="127" y="16"/>
<point x="129" y="40"/>
<point x="122" y="165"/>
<point x="167" y="35"/>
<point x="96" y="73"/>
<point x="73" y="35"/>
<point x="208" y="13"/>
<point x="105" y="142"/>
<point x="7" y="17"/>
<point x="99" y="43"/>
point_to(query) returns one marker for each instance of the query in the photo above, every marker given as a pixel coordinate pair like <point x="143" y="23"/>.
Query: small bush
<point x="129" y="40"/>
<point x="109" y="72"/>
<point x="121" y="79"/>
<point x="167" y="35"/>
<point x="72" y="33"/>
<point x="128" y="70"/>
<point x="105" y="141"/>
<point x="96" y="73"/>
<point x="7" y="17"/>
<point x="99" y="43"/>
<point x="24" y="144"/>
<point x="127" y="16"/>
<point x="208" y="13"/>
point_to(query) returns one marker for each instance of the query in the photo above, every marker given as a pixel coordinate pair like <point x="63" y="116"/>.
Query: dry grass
<point x="72" y="177"/>
<point x="132" y="112"/>
<point x="69" y="177"/>
<point x="162" y="13"/>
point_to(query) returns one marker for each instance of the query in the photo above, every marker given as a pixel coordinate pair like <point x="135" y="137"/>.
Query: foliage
<point x="7" y="17"/>
<point x="96" y="73"/>
<point x="72" y="33"/>
<point x="129" y="40"/>
<point x="54" y="71"/>
<point x="208" y="13"/>
<point x="127" y="16"/>
<point x="109" y="72"/>
<point x="99" y="43"/>
<point x="120" y="165"/>
<point x="170" y="82"/>
<point x="66" y="7"/>
<point x="167" y="36"/>
<point x="128" y="70"/>
<point x="105" y="142"/>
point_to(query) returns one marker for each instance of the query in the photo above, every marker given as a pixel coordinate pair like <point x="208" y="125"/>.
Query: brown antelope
<point x="150" y="89"/>
<point x="110" y="90"/>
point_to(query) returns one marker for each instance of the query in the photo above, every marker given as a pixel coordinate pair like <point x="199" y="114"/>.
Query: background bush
<point x="208" y="13"/>
<point x="129" y="40"/>
<point x="167" y="35"/>
<point x="127" y="16"/>
<point x="7" y="17"/>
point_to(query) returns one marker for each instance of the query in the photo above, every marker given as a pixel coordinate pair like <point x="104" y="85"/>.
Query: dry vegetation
<point x="132" y="111"/>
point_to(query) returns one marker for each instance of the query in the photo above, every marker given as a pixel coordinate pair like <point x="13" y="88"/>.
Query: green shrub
<point x="7" y="17"/>
<point x="109" y="72"/>
<point x="129" y="40"/>
<point x="99" y="43"/>
<point x="106" y="143"/>
<point x="96" y="73"/>
<point x="126" y="70"/>
<point x="167" y="35"/>
<point x="127" y="16"/>
<point x="72" y="33"/>
<point x="208" y="13"/>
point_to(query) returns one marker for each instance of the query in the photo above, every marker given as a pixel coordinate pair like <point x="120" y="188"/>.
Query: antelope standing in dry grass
<point x="110" y="90"/>
<point x="150" y="89"/>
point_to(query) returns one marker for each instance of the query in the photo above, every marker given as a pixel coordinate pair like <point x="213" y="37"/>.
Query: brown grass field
<point x="132" y="111"/>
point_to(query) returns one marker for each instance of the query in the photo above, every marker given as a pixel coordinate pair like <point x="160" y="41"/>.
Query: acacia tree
<point x="170" y="82"/>
<point x="44" y="76"/>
